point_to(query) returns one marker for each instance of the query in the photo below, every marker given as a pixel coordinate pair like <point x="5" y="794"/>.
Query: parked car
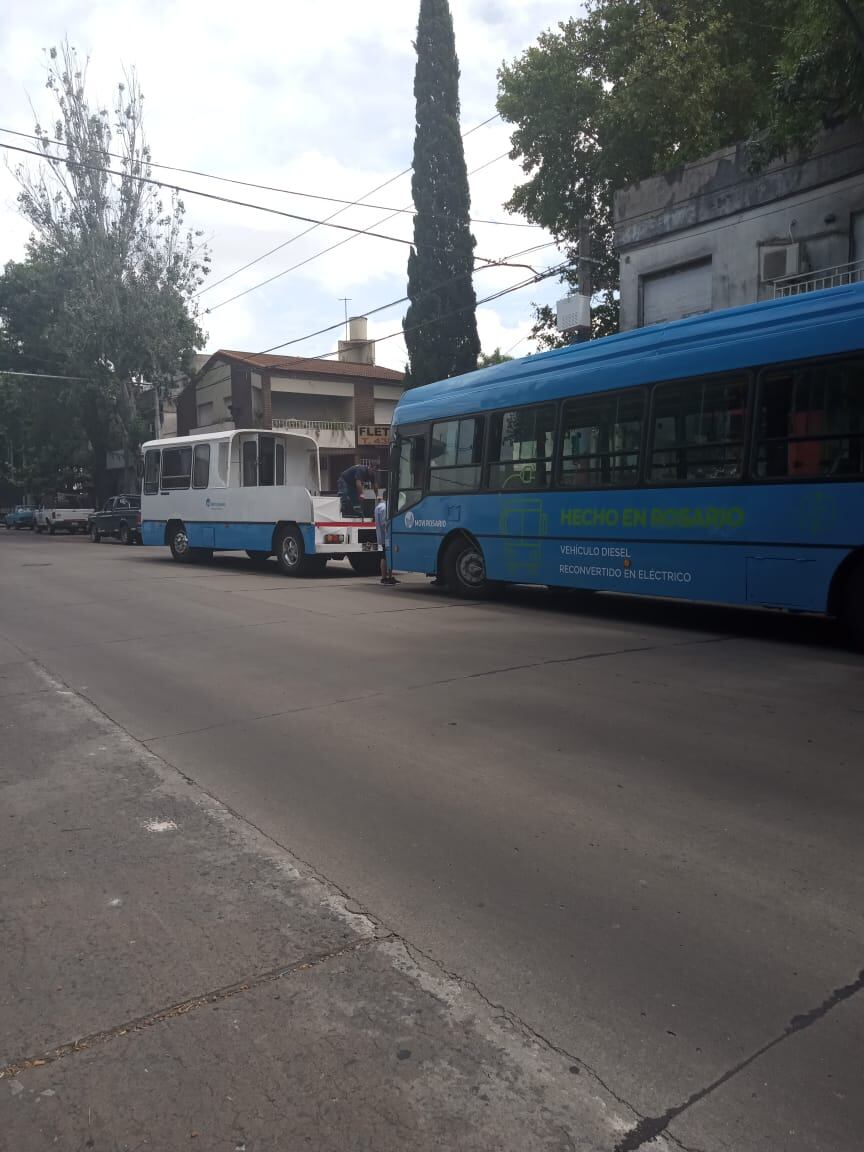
<point x="62" y="519"/>
<point x="121" y="518"/>
<point x="20" y="517"/>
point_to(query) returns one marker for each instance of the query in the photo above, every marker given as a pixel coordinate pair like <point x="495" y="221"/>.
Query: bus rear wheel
<point x="852" y="614"/>
<point x="464" y="568"/>
<point x="291" y="555"/>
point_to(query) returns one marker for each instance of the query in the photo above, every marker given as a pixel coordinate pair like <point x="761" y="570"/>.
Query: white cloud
<point x="296" y="95"/>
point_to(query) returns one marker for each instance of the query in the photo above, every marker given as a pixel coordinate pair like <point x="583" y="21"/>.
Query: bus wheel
<point x="465" y="570"/>
<point x="178" y="542"/>
<point x="366" y="563"/>
<point x="853" y="605"/>
<point x="291" y="554"/>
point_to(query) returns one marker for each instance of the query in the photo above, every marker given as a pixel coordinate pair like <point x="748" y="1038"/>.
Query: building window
<point x="698" y="430"/>
<point x="176" y="468"/>
<point x="456" y="457"/>
<point x="601" y="437"/>
<point x="250" y="463"/>
<point x="205" y="414"/>
<point x="152" y="460"/>
<point x="280" y="463"/>
<point x="201" y="466"/>
<point x="810" y="421"/>
<point x="521" y="446"/>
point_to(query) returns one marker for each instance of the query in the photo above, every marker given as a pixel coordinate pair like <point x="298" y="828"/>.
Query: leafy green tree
<point x="635" y="87"/>
<point x="440" y="324"/>
<point x="485" y="360"/>
<point x="110" y="267"/>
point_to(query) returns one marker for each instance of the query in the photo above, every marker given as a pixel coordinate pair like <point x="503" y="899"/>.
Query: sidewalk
<point x="171" y="979"/>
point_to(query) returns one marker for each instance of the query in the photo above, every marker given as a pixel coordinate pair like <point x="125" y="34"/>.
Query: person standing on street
<point x="350" y="488"/>
<point x="387" y="576"/>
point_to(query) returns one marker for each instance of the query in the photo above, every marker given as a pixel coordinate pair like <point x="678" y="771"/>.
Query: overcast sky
<point x="315" y="97"/>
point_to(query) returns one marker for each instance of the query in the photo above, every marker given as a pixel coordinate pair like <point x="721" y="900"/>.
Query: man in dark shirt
<point x="350" y="488"/>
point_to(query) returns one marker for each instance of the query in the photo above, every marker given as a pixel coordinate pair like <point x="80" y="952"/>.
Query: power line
<point x="502" y="263"/>
<point x="555" y="270"/>
<point x="205" y="195"/>
<point x="316" y="255"/>
<point x="274" y="188"/>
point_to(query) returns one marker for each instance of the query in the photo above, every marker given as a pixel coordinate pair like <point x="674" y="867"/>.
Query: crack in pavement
<point x="182" y="1007"/>
<point x="392" y="692"/>
<point x="650" y="1127"/>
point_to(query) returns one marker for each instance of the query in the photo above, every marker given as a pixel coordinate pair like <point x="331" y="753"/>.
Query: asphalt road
<point x="635" y="826"/>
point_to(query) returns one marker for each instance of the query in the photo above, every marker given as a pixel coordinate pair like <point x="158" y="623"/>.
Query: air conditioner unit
<point x="779" y="260"/>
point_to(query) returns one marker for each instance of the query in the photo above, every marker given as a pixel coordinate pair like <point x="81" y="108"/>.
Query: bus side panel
<point x="237" y="536"/>
<point x="153" y="532"/>
<point x="769" y="544"/>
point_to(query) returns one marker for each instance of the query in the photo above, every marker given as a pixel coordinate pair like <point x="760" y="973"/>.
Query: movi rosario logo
<point x="412" y="522"/>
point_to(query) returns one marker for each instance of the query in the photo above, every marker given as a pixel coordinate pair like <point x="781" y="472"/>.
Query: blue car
<point x="20" y="517"/>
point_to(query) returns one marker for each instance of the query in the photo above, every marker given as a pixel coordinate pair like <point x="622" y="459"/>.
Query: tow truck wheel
<point x="365" y="563"/>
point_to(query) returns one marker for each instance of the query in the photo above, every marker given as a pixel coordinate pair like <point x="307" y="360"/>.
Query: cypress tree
<point x="442" y="259"/>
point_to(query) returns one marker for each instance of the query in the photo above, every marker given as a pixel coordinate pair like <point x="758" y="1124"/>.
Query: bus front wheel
<point x="853" y="605"/>
<point x="465" y="570"/>
<point x="178" y="542"/>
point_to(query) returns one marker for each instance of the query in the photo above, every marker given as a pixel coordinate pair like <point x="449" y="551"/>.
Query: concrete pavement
<point x="634" y="827"/>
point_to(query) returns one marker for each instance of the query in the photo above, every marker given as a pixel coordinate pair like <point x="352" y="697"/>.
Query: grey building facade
<point x="711" y="234"/>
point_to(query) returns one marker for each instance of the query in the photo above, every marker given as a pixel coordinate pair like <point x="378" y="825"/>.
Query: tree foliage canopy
<point x="635" y="87"/>
<point x="440" y="324"/>
<point x="106" y="288"/>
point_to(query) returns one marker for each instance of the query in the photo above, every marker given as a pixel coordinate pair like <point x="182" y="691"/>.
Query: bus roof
<point x="797" y="327"/>
<point x="199" y="437"/>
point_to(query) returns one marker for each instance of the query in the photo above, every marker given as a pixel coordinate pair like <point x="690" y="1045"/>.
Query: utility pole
<point x="582" y="334"/>
<point x="346" y="300"/>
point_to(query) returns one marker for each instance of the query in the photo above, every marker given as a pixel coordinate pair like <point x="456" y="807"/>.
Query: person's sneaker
<point x="389" y="580"/>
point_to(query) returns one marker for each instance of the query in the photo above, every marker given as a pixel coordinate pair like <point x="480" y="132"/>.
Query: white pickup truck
<point x="53" y="520"/>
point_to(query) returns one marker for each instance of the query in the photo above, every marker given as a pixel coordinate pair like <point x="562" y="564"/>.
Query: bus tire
<point x="291" y="553"/>
<point x="178" y="543"/>
<point x="366" y="563"/>
<point x="852" y="608"/>
<point x="464" y="568"/>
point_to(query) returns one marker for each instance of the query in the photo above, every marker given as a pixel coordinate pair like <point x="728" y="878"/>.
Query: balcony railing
<point x="831" y="277"/>
<point x="316" y="425"/>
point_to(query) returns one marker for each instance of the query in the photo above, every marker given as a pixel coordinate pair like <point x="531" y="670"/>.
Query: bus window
<point x="266" y="461"/>
<point x="250" y="463"/>
<point x="810" y="421"/>
<point x="698" y="430"/>
<point x="601" y="438"/>
<point x="201" y="466"/>
<point x="456" y="456"/>
<point x="280" y="463"/>
<point x="176" y="468"/>
<point x="223" y="460"/>
<point x="152" y="461"/>
<point x="411" y="464"/>
<point x="521" y="448"/>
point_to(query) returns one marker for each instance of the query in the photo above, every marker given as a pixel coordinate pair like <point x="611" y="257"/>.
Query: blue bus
<point x="718" y="458"/>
